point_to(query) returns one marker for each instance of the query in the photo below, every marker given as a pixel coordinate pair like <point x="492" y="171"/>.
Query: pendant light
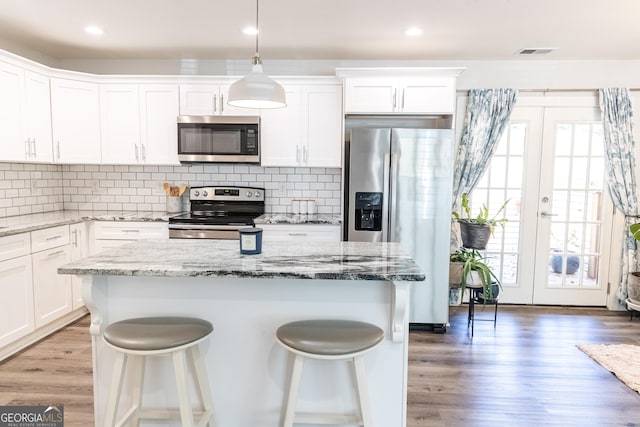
<point x="256" y="90"/>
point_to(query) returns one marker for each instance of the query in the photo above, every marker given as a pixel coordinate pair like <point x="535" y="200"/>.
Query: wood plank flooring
<point x="526" y="372"/>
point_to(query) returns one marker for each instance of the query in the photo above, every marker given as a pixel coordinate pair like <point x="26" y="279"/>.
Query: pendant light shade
<point x="256" y="90"/>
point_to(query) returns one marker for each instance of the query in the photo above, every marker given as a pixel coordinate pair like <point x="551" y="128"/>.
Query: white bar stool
<point x="178" y="337"/>
<point x="328" y="339"/>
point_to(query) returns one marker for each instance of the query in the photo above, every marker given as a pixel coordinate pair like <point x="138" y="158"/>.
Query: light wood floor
<point x="526" y="372"/>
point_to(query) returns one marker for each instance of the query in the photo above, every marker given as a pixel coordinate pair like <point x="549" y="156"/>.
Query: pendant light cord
<point x="257" y="30"/>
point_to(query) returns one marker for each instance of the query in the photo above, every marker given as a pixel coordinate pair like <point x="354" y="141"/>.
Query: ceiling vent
<point x="536" y="51"/>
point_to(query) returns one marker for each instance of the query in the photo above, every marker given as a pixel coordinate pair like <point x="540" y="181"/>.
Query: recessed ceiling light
<point x="250" y="31"/>
<point x="413" y="31"/>
<point x="92" y="29"/>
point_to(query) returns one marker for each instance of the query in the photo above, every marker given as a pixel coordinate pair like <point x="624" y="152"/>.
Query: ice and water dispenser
<point x="368" y="211"/>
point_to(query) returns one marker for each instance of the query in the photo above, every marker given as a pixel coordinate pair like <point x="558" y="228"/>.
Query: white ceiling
<point x="325" y="29"/>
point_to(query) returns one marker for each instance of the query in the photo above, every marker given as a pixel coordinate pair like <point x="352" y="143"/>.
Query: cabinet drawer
<point x="132" y="230"/>
<point x="309" y="232"/>
<point x="49" y="238"/>
<point x="15" y="246"/>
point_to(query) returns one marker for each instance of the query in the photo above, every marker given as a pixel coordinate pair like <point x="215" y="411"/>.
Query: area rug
<point x="623" y="360"/>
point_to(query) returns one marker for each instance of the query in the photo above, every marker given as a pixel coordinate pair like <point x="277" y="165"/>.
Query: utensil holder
<point x="174" y="204"/>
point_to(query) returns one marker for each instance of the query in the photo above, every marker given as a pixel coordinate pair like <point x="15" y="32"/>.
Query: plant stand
<point x="476" y="297"/>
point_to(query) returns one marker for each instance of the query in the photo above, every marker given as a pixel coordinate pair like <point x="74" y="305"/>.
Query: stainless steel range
<point x="218" y="213"/>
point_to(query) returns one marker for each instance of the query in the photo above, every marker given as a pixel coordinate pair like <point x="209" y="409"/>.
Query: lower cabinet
<point x="112" y="234"/>
<point x="34" y="299"/>
<point x="16" y="304"/>
<point x="302" y="232"/>
<point x="51" y="291"/>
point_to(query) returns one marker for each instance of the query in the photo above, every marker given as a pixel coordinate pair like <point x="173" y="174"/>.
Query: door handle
<point x="33" y="142"/>
<point x="221" y="103"/>
<point x="215" y="101"/>
<point x="545" y="214"/>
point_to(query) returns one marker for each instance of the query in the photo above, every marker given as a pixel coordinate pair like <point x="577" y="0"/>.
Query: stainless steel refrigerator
<point x="398" y="189"/>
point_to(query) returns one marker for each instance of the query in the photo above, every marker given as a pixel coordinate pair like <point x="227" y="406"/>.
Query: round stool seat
<point x="329" y="337"/>
<point x="156" y="333"/>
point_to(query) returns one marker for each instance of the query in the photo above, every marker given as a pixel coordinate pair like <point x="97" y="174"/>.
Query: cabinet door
<point x="16" y="304"/>
<point x="322" y="125"/>
<point x="38" y="117"/>
<point x="281" y="138"/>
<point x="301" y="232"/>
<point x="51" y="291"/>
<point x="75" y="112"/>
<point x="79" y="249"/>
<point x="370" y="96"/>
<point x="14" y="142"/>
<point x="158" y="113"/>
<point x="200" y="100"/>
<point x="428" y="96"/>
<point x="120" y="123"/>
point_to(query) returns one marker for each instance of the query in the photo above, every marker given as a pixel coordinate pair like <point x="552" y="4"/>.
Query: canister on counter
<point x="250" y="241"/>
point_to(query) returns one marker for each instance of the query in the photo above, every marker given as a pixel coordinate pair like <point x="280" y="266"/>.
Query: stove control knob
<point x="205" y="194"/>
<point x="196" y="193"/>
<point x="249" y="194"/>
<point x="257" y="194"/>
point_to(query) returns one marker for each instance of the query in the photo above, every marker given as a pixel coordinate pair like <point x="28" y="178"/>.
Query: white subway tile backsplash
<point x="32" y="188"/>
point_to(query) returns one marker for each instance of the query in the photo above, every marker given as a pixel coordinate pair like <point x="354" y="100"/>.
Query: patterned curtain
<point x="617" y="115"/>
<point x="488" y="113"/>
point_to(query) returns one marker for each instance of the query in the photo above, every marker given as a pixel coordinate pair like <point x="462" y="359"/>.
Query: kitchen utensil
<point x="182" y="188"/>
<point x="167" y="188"/>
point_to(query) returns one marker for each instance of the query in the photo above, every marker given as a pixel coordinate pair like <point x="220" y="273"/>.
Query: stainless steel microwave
<point x="224" y="139"/>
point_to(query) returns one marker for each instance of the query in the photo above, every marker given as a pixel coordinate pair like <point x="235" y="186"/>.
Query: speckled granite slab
<point x="24" y="223"/>
<point x="218" y="258"/>
<point x="276" y="218"/>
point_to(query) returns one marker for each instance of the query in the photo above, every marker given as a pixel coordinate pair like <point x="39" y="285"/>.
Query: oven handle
<point x="205" y="227"/>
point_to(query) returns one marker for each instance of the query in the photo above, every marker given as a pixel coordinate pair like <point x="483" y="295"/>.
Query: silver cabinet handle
<point x="56" y="253"/>
<point x="58" y="149"/>
<point x="545" y="214"/>
<point x="222" y="103"/>
<point x="297" y="234"/>
<point x="297" y="153"/>
<point x="59" y="236"/>
<point x="144" y="153"/>
<point x="215" y="101"/>
<point x="136" y="147"/>
<point x="35" y="153"/>
<point x="305" y="155"/>
<point x="394" y="98"/>
<point x="402" y="101"/>
<point x="131" y="230"/>
<point x="75" y="238"/>
<point x="27" y="148"/>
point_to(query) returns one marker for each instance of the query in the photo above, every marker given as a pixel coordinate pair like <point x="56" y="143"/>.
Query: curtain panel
<point x="617" y="115"/>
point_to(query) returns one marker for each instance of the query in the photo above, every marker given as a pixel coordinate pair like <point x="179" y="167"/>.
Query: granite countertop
<point x="278" y="218"/>
<point x="222" y="258"/>
<point x="24" y="223"/>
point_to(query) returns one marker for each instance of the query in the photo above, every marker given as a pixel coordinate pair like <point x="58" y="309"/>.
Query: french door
<point x="550" y="164"/>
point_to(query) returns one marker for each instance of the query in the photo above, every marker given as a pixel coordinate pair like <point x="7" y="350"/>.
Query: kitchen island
<point x="247" y="297"/>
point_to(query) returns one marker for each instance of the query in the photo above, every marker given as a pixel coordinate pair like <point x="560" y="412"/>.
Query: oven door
<point x="200" y="231"/>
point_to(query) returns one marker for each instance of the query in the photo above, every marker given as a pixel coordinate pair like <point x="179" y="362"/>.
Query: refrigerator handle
<point x="392" y="194"/>
<point x="385" y="198"/>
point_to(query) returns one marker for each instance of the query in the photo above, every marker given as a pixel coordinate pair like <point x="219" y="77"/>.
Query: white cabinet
<point x="112" y="234"/>
<point x="75" y="112"/>
<point x="79" y="247"/>
<point x="307" y="132"/>
<point x="16" y="288"/>
<point x="25" y="115"/>
<point x="400" y="95"/>
<point x="52" y="295"/>
<point x="138" y="123"/>
<point x="209" y="99"/>
<point x="300" y="232"/>
<point x="158" y="124"/>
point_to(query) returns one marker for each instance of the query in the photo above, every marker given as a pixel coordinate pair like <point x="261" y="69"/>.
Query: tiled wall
<point x="140" y="187"/>
<point x="30" y="188"/>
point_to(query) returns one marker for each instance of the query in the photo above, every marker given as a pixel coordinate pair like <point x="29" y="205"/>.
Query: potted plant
<point x="475" y="231"/>
<point x="469" y="267"/>
<point x="633" y="278"/>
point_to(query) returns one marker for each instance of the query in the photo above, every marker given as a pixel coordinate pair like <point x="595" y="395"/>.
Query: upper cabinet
<point x="26" y="115"/>
<point x="138" y="123"/>
<point x="75" y="116"/>
<point x="428" y="95"/>
<point x="308" y="131"/>
<point x="208" y="100"/>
